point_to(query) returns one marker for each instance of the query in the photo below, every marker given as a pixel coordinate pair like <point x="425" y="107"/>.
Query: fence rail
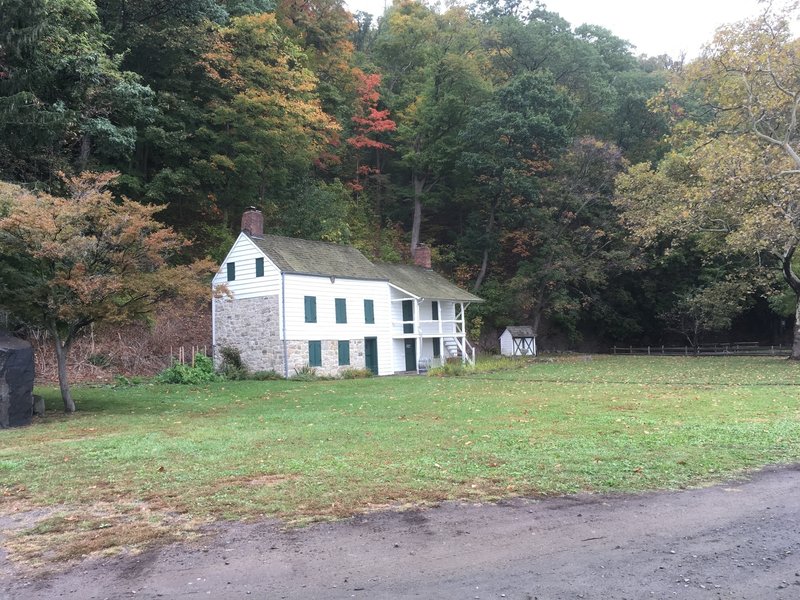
<point x="735" y="349"/>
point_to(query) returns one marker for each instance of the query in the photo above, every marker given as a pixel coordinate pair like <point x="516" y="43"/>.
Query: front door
<point x="371" y="354"/>
<point x="411" y="355"/>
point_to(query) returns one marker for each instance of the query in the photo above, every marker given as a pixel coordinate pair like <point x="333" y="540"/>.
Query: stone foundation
<point x="252" y="326"/>
<point x="298" y="356"/>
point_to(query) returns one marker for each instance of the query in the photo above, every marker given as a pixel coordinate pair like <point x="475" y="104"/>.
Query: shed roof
<point x="292" y="255"/>
<point x="520" y="331"/>
<point x="424" y="283"/>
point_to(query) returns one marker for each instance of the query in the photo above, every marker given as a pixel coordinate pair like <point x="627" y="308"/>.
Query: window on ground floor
<point x="314" y="353"/>
<point x="344" y="352"/>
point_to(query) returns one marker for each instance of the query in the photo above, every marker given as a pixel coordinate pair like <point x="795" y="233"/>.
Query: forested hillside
<point x="551" y="170"/>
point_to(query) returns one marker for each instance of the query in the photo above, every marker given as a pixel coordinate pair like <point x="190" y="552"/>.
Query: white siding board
<point x="399" y="362"/>
<point x="506" y="347"/>
<point x="355" y="291"/>
<point x="246" y="285"/>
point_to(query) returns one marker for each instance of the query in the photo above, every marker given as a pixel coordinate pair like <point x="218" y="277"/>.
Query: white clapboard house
<point x="293" y="303"/>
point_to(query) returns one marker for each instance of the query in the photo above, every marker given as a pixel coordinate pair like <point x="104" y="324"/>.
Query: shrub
<point x="201" y="372"/>
<point x="449" y="369"/>
<point x="305" y="373"/>
<point x="99" y="359"/>
<point x="356" y="374"/>
<point x="232" y="366"/>
<point x="266" y="376"/>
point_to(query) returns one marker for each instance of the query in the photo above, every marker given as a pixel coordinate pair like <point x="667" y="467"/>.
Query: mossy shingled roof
<point x="308" y="257"/>
<point x="292" y="255"/>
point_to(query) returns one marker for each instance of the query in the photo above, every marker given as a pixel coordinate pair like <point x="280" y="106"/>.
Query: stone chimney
<point x="253" y="222"/>
<point x="422" y="256"/>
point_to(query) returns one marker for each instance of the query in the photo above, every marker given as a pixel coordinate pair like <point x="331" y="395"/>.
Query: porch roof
<point x="424" y="283"/>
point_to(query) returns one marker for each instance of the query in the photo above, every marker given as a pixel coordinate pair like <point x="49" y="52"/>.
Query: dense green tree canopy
<point x="579" y="188"/>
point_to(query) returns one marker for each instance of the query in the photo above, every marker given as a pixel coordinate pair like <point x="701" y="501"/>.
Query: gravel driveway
<point x="736" y="540"/>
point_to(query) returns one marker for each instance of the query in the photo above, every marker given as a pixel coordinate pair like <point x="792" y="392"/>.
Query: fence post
<point x="630" y="349"/>
<point x="648" y="351"/>
<point x="686" y="350"/>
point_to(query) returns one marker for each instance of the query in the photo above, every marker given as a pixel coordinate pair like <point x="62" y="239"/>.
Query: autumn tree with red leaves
<point x="369" y="125"/>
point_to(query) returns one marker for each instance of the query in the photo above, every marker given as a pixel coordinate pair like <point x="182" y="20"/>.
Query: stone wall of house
<point x="252" y="326"/>
<point x="297" y="351"/>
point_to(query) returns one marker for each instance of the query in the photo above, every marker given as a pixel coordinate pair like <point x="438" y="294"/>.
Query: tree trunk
<point x="485" y="260"/>
<point x="794" y="283"/>
<point x="61" y="358"/>
<point x="419" y="185"/>
<point x="795" y="355"/>
<point x="85" y="151"/>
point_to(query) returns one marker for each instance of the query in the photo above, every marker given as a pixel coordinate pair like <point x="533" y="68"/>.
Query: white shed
<point x="518" y="340"/>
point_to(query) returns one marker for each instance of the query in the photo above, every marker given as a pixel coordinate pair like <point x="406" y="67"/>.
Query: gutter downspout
<point x="283" y="326"/>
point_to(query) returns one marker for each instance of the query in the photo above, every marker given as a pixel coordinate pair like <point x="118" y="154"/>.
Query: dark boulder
<point x="16" y="381"/>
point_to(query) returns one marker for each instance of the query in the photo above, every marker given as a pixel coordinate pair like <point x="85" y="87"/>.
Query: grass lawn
<point x="149" y="462"/>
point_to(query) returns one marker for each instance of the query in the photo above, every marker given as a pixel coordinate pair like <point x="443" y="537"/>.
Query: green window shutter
<point x="314" y="353"/>
<point x="259" y="267"/>
<point x="311" y="309"/>
<point x="231" y="271"/>
<point x="408" y="315"/>
<point x="369" y="311"/>
<point x="437" y="348"/>
<point x="344" y="352"/>
<point x="341" y="310"/>
<point x="434" y="311"/>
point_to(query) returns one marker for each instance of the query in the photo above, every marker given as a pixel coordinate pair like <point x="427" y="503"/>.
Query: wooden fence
<point x="180" y="355"/>
<point x="735" y="349"/>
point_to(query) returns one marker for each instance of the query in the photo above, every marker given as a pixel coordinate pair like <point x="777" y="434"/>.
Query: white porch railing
<point x="460" y="347"/>
<point x="427" y="328"/>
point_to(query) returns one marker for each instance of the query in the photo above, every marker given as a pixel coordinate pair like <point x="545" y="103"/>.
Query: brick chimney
<point x="422" y="256"/>
<point x="253" y="222"/>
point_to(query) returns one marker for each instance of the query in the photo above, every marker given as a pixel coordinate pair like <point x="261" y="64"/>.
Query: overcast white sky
<point x="666" y="27"/>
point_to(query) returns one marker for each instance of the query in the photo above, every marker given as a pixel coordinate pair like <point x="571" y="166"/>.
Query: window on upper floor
<point x="231" y="271"/>
<point x="259" y="267"/>
<point x="310" y="308"/>
<point x="434" y="310"/>
<point x="408" y="316"/>
<point x="314" y="353"/>
<point x="369" y="311"/>
<point x="341" y="310"/>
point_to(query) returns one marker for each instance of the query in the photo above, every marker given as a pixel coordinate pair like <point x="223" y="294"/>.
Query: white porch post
<point x="442" y="348"/>
<point x="463" y="333"/>
<point x="418" y="329"/>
